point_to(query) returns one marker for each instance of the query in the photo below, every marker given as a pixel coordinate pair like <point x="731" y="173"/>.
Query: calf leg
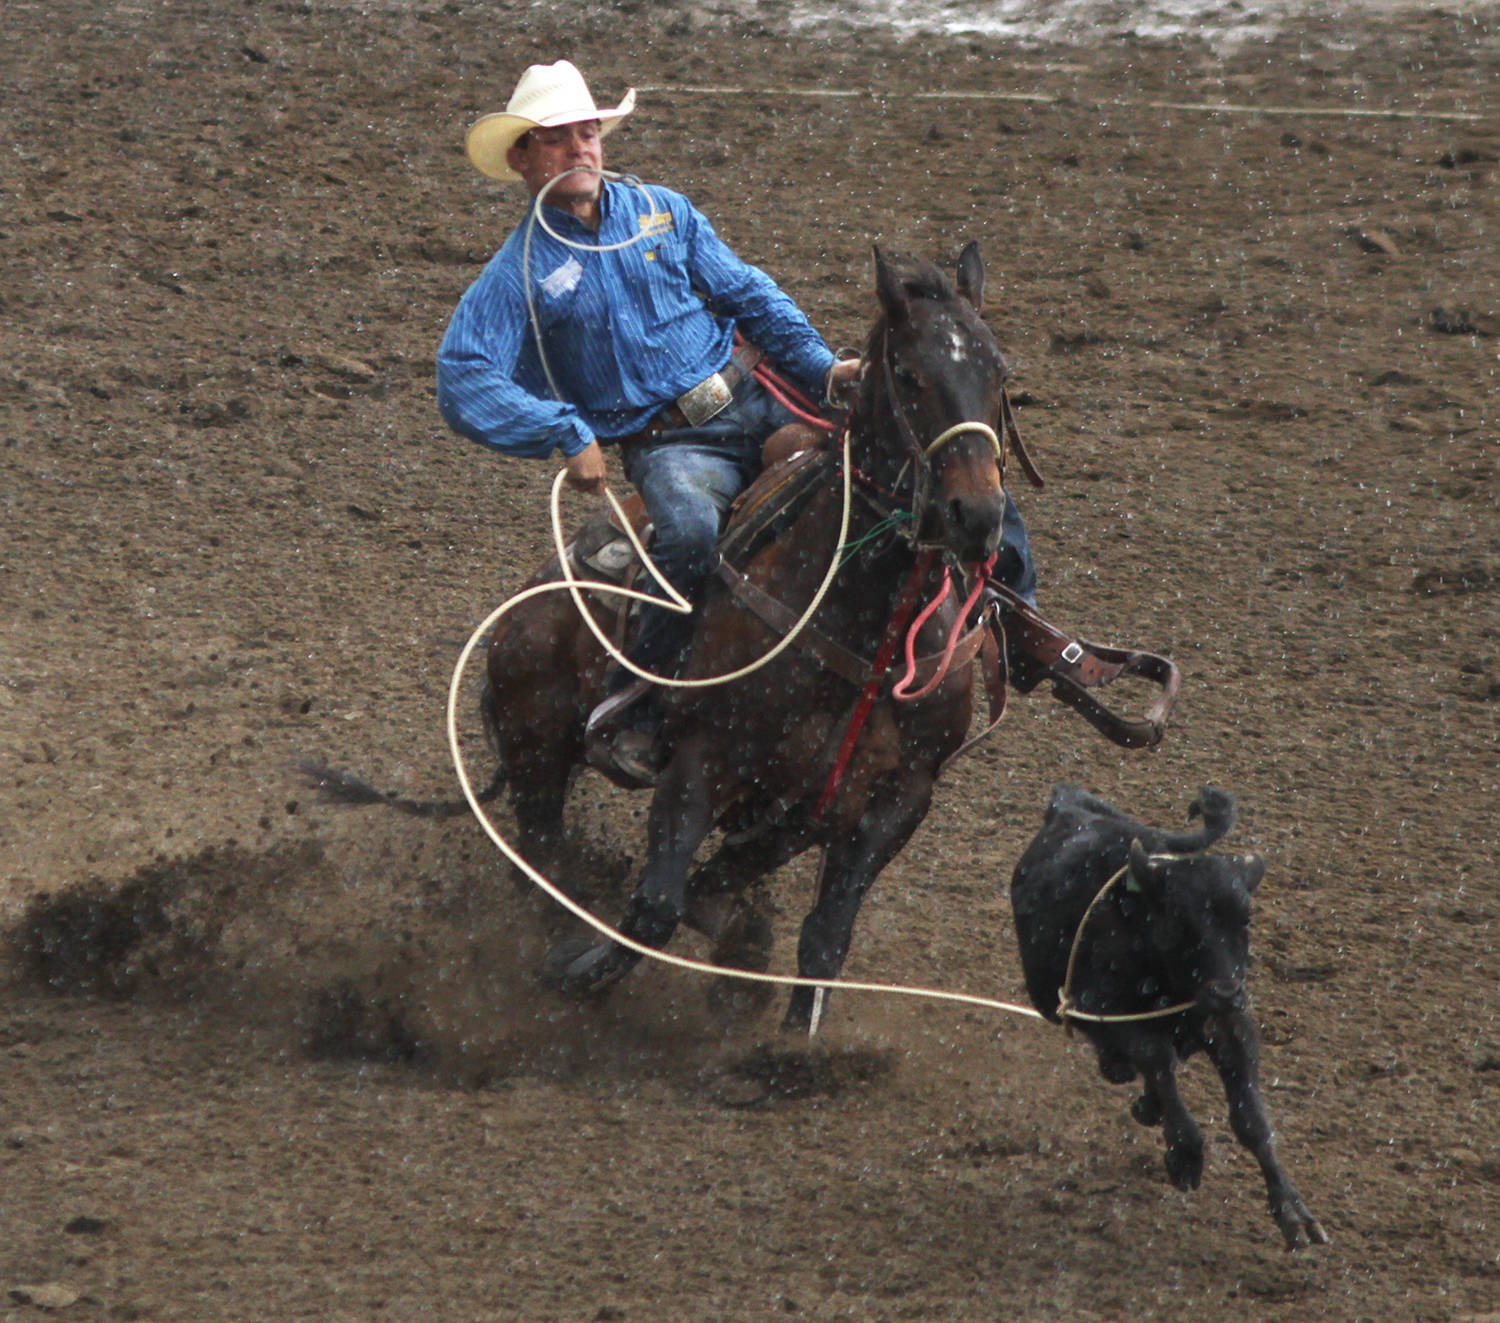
<point x="1156" y="1059"/>
<point x="1234" y="1047"/>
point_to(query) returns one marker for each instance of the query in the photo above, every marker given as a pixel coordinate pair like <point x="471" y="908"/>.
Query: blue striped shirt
<point x="624" y="332"/>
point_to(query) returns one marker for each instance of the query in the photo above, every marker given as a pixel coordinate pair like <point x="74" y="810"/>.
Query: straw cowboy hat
<point x="548" y="94"/>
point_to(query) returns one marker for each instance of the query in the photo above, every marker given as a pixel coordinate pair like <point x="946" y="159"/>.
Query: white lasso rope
<point x="575" y="586"/>
<point x="1068" y="1010"/>
<point x="678" y="603"/>
<point x="538" y="218"/>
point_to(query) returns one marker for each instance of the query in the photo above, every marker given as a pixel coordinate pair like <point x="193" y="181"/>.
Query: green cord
<point x="891" y="521"/>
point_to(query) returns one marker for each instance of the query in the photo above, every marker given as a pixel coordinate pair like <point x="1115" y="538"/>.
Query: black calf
<point x="1170" y="934"/>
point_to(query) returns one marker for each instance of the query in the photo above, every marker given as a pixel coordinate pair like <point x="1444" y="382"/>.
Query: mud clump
<point x="161" y="928"/>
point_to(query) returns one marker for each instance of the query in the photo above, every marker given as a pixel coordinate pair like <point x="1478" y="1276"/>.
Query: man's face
<point x="549" y="152"/>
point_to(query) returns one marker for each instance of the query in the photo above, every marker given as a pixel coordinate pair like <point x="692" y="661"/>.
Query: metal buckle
<point x="708" y="398"/>
<point x="1073" y="653"/>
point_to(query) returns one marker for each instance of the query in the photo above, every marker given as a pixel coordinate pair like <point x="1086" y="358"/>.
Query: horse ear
<point x="888" y="286"/>
<point x="971" y="274"/>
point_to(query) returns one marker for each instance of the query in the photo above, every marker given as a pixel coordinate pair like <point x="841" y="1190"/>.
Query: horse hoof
<point x="580" y="967"/>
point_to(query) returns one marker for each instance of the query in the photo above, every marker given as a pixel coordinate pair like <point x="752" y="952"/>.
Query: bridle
<point x="920" y="453"/>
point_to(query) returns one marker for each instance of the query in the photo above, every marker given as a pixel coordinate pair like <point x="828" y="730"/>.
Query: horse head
<point x="930" y="404"/>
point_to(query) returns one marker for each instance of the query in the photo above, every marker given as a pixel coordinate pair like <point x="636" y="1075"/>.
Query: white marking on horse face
<point x="955" y="346"/>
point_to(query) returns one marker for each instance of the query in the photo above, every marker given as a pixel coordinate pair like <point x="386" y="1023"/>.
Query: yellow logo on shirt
<point x="656" y="222"/>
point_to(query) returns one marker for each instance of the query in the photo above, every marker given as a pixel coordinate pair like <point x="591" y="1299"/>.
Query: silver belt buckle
<point x="703" y="401"/>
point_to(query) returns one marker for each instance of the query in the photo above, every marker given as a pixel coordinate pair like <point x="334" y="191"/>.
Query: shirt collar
<point x="562" y="220"/>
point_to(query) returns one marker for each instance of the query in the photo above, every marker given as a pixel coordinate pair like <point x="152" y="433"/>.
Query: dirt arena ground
<point x="267" y="1058"/>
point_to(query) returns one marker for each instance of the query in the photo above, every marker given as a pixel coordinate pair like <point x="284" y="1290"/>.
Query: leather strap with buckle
<point x="696" y="406"/>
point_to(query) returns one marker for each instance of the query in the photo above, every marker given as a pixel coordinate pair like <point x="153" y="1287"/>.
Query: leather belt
<point x="696" y="406"/>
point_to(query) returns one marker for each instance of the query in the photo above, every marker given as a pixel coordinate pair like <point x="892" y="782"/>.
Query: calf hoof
<point x="1146" y="1110"/>
<point x="1185" y="1167"/>
<point x="1299" y="1228"/>
<point x="580" y="967"/>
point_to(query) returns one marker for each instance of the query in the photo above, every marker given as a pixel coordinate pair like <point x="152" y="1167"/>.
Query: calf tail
<point x="1216" y="808"/>
<point x="343" y="787"/>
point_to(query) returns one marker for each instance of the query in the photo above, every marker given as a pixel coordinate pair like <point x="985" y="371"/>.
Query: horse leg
<point x="850" y="865"/>
<point x="732" y="867"/>
<point x="680" y="817"/>
<point x="537" y="803"/>
<point x="743" y="939"/>
<point x="540" y="677"/>
<point x="742" y="935"/>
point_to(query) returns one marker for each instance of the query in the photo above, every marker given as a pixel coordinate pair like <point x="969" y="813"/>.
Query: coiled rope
<point x="822" y="986"/>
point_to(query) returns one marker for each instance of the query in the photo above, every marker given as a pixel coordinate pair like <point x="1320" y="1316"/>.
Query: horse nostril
<point x="977" y="522"/>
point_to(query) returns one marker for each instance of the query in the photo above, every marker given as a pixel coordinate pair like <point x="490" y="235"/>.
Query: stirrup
<point x="606" y="715"/>
<point x="601" y="731"/>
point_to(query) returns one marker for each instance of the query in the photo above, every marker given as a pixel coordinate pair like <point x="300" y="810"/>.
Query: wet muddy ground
<point x="264" y="1057"/>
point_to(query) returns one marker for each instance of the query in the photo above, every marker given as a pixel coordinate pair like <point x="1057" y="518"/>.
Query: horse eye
<point x="906" y="378"/>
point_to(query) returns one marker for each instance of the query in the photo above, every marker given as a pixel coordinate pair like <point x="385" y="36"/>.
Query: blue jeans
<point x="688" y="478"/>
<point x="1015" y="567"/>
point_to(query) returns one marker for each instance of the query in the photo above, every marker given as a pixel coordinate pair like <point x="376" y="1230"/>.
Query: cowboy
<point x="609" y="318"/>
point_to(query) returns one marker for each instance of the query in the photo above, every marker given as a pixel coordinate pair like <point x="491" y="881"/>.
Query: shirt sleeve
<point x="477" y="391"/>
<point x="758" y="305"/>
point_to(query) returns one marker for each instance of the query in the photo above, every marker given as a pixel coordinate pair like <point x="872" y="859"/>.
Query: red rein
<point x="791" y="399"/>
<point x="903" y="685"/>
<point x="887" y="650"/>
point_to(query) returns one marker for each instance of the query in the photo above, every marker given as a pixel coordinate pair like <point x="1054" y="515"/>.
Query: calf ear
<point x="1253" y="868"/>
<point x="1143" y="875"/>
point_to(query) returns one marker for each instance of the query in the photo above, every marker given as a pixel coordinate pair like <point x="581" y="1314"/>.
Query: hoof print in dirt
<point x="1444" y="582"/>
<point x="815" y="1072"/>
<point x="344" y="1023"/>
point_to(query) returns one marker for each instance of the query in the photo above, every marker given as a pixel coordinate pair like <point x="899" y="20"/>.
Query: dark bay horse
<point x="753" y="757"/>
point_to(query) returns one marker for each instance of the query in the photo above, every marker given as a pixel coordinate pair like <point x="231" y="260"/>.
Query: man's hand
<point x="843" y="378"/>
<point x="586" y="470"/>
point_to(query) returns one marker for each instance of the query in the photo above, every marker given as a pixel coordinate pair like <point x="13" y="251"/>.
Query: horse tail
<point x="341" y="787"/>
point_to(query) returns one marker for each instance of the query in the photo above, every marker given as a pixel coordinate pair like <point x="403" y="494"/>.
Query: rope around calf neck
<point x="1065" y="1008"/>
<point x="821" y="986"/>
